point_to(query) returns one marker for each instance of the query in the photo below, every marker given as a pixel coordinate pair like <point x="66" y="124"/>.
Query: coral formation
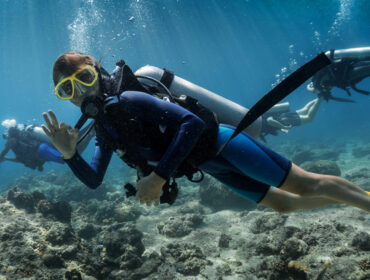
<point x="53" y="227"/>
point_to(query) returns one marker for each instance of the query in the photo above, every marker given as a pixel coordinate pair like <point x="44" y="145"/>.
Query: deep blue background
<point x="234" y="48"/>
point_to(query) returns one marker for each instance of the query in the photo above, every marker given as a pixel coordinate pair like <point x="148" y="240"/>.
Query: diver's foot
<point x="311" y="88"/>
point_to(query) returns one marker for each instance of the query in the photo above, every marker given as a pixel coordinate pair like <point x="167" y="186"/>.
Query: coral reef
<point x="53" y="227"/>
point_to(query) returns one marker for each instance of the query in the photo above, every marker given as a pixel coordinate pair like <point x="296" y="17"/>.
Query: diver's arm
<point x="91" y="175"/>
<point x="6" y="149"/>
<point x="188" y="127"/>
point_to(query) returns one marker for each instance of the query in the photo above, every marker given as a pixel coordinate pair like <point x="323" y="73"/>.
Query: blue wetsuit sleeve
<point x="91" y="175"/>
<point x="187" y="126"/>
<point x="49" y="153"/>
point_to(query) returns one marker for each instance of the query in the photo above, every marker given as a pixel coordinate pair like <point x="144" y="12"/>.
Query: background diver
<point x="348" y="68"/>
<point x="280" y="118"/>
<point x="146" y="129"/>
<point x="32" y="147"/>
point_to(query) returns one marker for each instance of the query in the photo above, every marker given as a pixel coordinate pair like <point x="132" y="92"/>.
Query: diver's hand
<point x="286" y="128"/>
<point x="149" y="189"/>
<point x="63" y="136"/>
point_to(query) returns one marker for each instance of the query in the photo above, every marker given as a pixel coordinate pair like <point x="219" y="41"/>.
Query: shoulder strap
<point x="167" y="78"/>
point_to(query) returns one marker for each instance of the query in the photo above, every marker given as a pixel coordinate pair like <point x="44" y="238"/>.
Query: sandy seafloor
<point x="207" y="234"/>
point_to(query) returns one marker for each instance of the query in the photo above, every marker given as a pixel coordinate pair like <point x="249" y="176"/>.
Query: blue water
<point x="237" y="48"/>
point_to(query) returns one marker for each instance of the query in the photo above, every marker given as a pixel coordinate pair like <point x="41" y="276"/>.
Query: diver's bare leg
<point x="304" y="110"/>
<point x="286" y="202"/>
<point x="313" y="185"/>
<point x="311" y="111"/>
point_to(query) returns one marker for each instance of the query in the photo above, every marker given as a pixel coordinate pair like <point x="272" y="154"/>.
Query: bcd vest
<point x="132" y="134"/>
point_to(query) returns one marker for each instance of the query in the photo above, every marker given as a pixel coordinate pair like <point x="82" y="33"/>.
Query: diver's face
<point x="81" y="91"/>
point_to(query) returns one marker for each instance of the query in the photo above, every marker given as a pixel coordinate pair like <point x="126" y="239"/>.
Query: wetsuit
<point x="289" y="118"/>
<point x="244" y="165"/>
<point x="48" y="153"/>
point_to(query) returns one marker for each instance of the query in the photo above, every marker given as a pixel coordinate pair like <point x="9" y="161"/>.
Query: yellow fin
<point x="368" y="193"/>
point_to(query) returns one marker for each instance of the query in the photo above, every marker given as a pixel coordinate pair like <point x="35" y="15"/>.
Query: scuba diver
<point x="172" y="136"/>
<point x="280" y="118"/>
<point x="32" y="147"/>
<point x="348" y="68"/>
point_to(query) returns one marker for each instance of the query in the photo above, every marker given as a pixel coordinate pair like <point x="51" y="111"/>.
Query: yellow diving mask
<point x="82" y="78"/>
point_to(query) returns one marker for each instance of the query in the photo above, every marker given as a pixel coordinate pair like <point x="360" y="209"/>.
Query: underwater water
<point x="239" y="49"/>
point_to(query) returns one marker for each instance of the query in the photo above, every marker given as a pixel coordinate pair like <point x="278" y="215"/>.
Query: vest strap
<point x="167" y="78"/>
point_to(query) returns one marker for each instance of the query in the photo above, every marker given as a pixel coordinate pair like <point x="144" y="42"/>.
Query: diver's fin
<point x="360" y="90"/>
<point x="328" y="96"/>
<point x="342" y="99"/>
<point x="368" y="193"/>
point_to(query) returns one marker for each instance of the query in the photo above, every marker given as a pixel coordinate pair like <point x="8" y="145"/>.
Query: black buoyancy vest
<point x="133" y="134"/>
<point x="26" y="147"/>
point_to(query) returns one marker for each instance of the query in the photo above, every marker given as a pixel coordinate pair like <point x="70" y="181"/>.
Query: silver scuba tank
<point x="228" y="112"/>
<point x="353" y="53"/>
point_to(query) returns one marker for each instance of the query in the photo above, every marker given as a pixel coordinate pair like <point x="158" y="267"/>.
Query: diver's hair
<point x="63" y="65"/>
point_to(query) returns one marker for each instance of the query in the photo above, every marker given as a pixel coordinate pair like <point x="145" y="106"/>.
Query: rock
<point x="61" y="211"/>
<point x="267" y="222"/>
<point x="53" y="261"/>
<point x="124" y="246"/>
<point x="322" y="167"/>
<point x="70" y="252"/>
<point x="340" y="252"/>
<point x="87" y="231"/>
<point x="224" y="240"/>
<point x="124" y="212"/>
<point x="73" y="275"/>
<point x="37" y="196"/>
<point x="189" y="258"/>
<point x="149" y="266"/>
<point x="45" y="207"/>
<point x="269" y="245"/>
<point x="59" y="234"/>
<point x="320" y="234"/>
<point x="294" y="248"/>
<point x="120" y="212"/>
<point x="21" y="200"/>
<point x="223" y="270"/>
<point x="217" y="196"/>
<point x="179" y="226"/>
<point x="361" y="241"/>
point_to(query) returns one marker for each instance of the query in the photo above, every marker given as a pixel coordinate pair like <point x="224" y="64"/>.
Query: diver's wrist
<point x="67" y="156"/>
<point x="157" y="179"/>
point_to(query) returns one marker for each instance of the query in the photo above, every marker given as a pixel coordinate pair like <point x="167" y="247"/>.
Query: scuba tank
<point x="354" y="53"/>
<point x="227" y="111"/>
